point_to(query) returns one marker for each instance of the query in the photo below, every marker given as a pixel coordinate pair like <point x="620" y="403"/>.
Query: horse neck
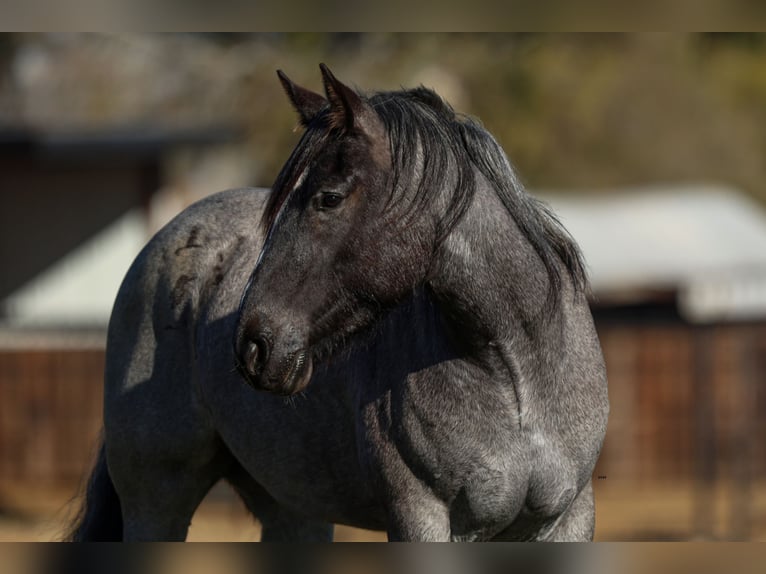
<point x="490" y="283"/>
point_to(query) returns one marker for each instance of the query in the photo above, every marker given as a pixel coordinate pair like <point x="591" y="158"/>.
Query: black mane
<point x="418" y="119"/>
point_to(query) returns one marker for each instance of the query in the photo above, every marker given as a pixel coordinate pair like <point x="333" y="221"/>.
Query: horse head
<point x="334" y="256"/>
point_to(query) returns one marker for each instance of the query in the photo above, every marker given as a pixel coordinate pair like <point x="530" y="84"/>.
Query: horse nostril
<point x="256" y="353"/>
<point x="251" y="358"/>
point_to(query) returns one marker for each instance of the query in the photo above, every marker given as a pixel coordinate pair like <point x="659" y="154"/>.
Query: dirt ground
<point x="664" y="512"/>
<point x="40" y="514"/>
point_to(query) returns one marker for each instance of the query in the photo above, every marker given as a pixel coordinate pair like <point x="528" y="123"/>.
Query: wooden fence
<point x="50" y="413"/>
<point x="688" y="402"/>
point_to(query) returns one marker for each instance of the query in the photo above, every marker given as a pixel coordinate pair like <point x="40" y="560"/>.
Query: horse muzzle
<point x="280" y="365"/>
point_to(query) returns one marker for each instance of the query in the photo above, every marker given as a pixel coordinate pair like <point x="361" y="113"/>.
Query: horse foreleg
<point x="418" y="516"/>
<point x="578" y="522"/>
<point x="278" y="524"/>
<point x="287" y="527"/>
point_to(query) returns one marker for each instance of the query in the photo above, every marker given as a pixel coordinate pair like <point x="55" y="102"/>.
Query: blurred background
<point x="650" y="147"/>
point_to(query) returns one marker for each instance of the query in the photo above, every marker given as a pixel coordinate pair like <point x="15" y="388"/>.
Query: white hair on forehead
<point x="270" y="233"/>
<point x="301" y="178"/>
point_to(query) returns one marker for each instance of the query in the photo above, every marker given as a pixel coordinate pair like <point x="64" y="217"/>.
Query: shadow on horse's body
<point x="467" y="407"/>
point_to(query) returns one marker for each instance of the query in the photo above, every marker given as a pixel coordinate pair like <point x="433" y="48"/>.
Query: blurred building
<point x="75" y="208"/>
<point x="679" y="299"/>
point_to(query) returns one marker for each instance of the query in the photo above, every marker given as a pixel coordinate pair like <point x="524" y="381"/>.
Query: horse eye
<point x="330" y="200"/>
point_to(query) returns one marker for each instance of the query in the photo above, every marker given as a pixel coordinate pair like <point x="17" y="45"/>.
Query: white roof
<point x="80" y="288"/>
<point x="706" y="242"/>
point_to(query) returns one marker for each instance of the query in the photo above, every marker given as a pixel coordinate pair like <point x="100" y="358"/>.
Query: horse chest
<point x="464" y="445"/>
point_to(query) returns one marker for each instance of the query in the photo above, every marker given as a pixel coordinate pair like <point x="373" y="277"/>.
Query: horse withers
<point x="396" y="337"/>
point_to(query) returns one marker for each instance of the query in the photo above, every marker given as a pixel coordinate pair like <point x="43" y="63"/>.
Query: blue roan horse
<point x="396" y="337"/>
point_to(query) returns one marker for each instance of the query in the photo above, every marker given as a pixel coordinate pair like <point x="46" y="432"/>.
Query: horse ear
<point x="345" y="104"/>
<point x="306" y="103"/>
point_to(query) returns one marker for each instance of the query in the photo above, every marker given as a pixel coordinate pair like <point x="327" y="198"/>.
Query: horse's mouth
<point x="298" y="374"/>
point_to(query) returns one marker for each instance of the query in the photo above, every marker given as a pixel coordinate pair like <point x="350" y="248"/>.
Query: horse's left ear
<point x="306" y="103"/>
<point x="347" y="109"/>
